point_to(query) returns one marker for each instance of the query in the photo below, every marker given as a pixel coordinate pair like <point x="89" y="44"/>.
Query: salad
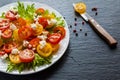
<point x="29" y="36"/>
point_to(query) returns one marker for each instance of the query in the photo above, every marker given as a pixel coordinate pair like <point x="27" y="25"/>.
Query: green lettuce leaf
<point x="26" y="12"/>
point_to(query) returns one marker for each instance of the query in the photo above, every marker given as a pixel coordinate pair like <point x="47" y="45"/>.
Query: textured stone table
<point x="87" y="57"/>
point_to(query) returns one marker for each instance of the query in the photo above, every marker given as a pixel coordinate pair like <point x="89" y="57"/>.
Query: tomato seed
<point x="29" y="46"/>
<point x="33" y="49"/>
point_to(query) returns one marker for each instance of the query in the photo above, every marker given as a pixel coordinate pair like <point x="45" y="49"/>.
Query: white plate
<point x="63" y="44"/>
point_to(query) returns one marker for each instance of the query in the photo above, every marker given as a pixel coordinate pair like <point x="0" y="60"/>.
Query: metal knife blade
<point x="99" y="29"/>
<point x="85" y="16"/>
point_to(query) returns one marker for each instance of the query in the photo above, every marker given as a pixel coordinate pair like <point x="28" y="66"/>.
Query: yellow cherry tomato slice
<point x="1" y="42"/>
<point x="38" y="29"/>
<point x="15" y="36"/>
<point x="80" y="7"/>
<point x="55" y="47"/>
<point x="45" y="51"/>
<point x="49" y="16"/>
<point x="14" y="58"/>
<point x="40" y="11"/>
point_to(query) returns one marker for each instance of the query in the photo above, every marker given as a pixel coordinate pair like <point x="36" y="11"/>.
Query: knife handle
<point x="102" y="32"/>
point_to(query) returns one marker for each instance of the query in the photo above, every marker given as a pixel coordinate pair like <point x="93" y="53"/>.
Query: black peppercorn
<point x="80" y="29"/>
<point x="85" y="34"/>
<point x="96" y="13"/>
<point x="75" y="19"/>
<point x="76" y="34"/>
<point x="70" y="26"/>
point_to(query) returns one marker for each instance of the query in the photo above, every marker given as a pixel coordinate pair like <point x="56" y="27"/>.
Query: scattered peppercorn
<point x="75" y="24"/>
<point x="83" y="22"/>
<point x="70" y="26"/>
<point x="96" y="14"/>
<point x="85" y="34"/>
<point x="94" y="9"/>
<point x="76" y="34"/>
<point x="80" y="29"/>
<point x="75" y="19"/>
<point x="74" y="31"/>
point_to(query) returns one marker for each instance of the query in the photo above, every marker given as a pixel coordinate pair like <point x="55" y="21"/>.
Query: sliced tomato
<point x="26" y="55"/>
<point x="34" y="42"/>
<point x="55" y="47"/>
<point x="10" y="15"/>
<point x="14" y="58"/>
<point x="25" y="32"/>
<point x="15" y="36"/>
<point x="4" y="23"/>
<point x="80" y="7"/>
<point x="38" y="30"/>
<point x="61" y="30"/>
<point x="54" y="38"/>
<point x="7" y="33"/>
<point x="9" y="46"/>
<point x="40" y="11"/>
<point x="1" y="42"/>
<point x="45" y="51"/>
<point x="43" y="21"/>
<point x="2" y="52"/>
<point x="19" y="22"/>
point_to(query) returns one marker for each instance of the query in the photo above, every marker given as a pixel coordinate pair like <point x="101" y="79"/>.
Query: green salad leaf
<point x="38" y="61"/>
<point x="3" y="15"/>
<point x="60" y="21"/>
<point x="26" y="12"/>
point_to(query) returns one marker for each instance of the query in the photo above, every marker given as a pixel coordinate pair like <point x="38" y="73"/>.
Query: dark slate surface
<point x="87" y="57"/>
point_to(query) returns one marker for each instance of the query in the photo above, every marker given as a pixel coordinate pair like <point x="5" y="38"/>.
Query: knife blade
<point x="112" y="42"/>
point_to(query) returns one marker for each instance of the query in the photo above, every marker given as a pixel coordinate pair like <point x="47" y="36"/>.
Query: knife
<point x="98" y="29"/>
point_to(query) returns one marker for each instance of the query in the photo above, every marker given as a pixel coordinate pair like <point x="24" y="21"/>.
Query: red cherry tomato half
<point x="10" y="15"/>
<point x="4" y="23"/>
<point x="43" y="21"/>
<point x="40" y="11"/>
<point x="7" y="33"/>
<point x="60" y="30"/>
<point x="26" y="55"/>
<point x="9" y="46"/>
<point x="54" y="38"/>
<point x="25" y="32"/>
<point x="34" y="42"/>
<point x="2" y="53"/>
